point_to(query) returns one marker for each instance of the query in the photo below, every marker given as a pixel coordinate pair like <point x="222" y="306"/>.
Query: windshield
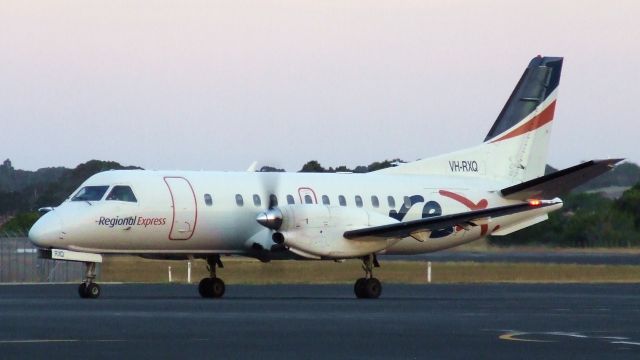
<point x="122" y="193"/>
<point x="90" y="193"/>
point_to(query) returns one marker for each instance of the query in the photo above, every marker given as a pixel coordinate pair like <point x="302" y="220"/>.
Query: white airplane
<point x="495" y="188"/>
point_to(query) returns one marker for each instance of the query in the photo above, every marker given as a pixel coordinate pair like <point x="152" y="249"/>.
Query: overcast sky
<point x="215" y="85"/>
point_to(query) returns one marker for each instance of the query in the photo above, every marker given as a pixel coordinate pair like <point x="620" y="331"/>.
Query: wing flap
<point x="419" y="229"/>
<point x="560" y="182"/>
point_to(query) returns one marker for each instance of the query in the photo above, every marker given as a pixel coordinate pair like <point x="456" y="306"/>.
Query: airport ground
<point x="446" y="267"/>
<point x="493" y="321"/>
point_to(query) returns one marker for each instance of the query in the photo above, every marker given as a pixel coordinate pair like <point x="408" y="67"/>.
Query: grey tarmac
<point x="495" y="321"/>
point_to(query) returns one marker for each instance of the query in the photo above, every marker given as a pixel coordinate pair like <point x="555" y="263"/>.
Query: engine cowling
<point x="318" y="230"/>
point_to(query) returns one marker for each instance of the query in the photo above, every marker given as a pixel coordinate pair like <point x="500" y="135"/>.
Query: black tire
<point x="217" y="288"/>
<point x="205" y="288"/>
<point x="358" y="288"/>
<point x="373" y="288"/>
<point x="82" y="290"/>
<point x="93" y="291"/>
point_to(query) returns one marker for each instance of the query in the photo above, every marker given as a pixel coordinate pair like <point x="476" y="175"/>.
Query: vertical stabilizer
<point x="515" y="149"/>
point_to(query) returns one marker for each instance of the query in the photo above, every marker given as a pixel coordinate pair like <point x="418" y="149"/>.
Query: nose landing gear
<point x="212" y="286"/>
<point x="368" y="287"/>
<point x="88" y="289"/>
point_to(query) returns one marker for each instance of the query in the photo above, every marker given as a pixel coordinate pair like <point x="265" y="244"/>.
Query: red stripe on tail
<point x="536" y="122"/>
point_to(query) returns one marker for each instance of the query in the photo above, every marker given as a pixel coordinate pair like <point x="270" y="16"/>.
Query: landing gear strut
<point x="368" y="287"/>
<point x="212" y="286"/>
<point x="88" y="289"/>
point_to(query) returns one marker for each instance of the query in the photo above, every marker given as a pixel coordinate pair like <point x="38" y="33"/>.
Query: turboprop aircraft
<point x="495" y="188"/>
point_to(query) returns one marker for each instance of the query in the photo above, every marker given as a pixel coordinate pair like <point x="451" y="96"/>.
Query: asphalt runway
<point x="322" y="322"/>
<point x="543" y="257"/>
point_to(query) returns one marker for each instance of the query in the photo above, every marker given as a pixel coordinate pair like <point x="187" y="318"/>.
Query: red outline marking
<point x="195" y="203"/>
<point x="315" y="198"/>
<point x="482" y="204"/>
<point x="535" y="123"/>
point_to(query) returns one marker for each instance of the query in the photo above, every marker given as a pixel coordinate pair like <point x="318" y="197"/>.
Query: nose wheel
<point x="89" y="289"/>
<point x="368" y="287"/>
<point x="212" y="286"/>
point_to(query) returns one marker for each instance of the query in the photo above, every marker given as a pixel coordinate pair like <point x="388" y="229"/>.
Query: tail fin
<point x="515" y="149"/>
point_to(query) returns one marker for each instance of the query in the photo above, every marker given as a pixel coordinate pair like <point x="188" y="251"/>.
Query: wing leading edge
<point x="419" y="229"/>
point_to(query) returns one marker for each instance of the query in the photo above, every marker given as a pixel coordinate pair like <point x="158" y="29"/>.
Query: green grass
<point x="248" y="271"/>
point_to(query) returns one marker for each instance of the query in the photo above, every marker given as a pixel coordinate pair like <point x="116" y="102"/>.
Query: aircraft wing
<point x="560" y="182"/>
<point x="419" y="229"/>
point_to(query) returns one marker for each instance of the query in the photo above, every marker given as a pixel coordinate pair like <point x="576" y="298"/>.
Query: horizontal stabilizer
<point x="560" y="182"/>
<point x="465" y="219"/>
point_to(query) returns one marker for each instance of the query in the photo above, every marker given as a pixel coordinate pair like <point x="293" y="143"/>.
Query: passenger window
<point x="290" y="200"/>
<point x="239" y="200"/>
<point x="392" y="202"/>
<point x="407" y="202"/>
<point x="342" y="200"/>
<point x="90" y="193"/>
<point x="256" y="200"/>
<point x="208" y="200"/>
<point x="273" y="200"/>
<point x="358" y="201"/>
<point x="308" y="199"/>
<point x="325" y="200"/>
<point x="122" y="193"/>
<point x="374" y="201"/>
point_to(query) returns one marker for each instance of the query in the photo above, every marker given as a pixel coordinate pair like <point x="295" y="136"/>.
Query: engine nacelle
<point x="318" y="230"/>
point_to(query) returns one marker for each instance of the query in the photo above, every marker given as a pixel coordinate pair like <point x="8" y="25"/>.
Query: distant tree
<point x="20" y="224"/>
<point x="630" y="203"/>
<point x="270" y="169"/>
<point x="342" y="168"/>
<point x="312" y="166"/>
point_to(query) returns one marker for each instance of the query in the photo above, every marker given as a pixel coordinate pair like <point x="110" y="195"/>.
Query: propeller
<point x="271" y="217"/>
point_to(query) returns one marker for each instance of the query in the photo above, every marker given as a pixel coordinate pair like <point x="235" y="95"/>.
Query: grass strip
<point x="249" y="271"/>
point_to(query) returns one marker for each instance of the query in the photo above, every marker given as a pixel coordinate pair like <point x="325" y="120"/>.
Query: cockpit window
<point x="122" y="193"/>
<point x="90" y="193"/>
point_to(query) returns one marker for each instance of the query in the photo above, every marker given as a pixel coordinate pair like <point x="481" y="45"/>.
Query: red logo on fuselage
<point x="482" y="204"/>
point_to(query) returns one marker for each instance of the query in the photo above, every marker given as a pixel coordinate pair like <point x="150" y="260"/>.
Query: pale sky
<point x="215" y="85"/>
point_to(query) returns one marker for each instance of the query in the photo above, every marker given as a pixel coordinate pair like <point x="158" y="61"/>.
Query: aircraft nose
<point x="47" y="230"/>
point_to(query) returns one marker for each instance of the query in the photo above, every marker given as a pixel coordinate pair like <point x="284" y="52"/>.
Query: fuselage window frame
<point x="391" y="201"/>
<point x="325" y="200"/>
<point x="308" y="199"/>
<point x="374" y="201"/>
<point x="290" y="200"/>
<point x="359" y="202"/>
<point x="208" y="200"/>
<point x="239" y="200"/>
<point x="342" y="200"/>
<point x="256" y="200"/>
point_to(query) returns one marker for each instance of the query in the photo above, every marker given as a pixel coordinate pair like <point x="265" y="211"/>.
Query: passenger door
<point x="185" y="208"/>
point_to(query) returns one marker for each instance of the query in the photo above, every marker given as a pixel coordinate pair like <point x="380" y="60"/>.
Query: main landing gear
<point x="212" y="286"/>
<point x="88" y="289"/>
<point x="368" y="287"/>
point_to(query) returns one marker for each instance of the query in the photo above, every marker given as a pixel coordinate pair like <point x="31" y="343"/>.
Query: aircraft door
<point x="307" y="196"/>
<point x="185" y="208"/>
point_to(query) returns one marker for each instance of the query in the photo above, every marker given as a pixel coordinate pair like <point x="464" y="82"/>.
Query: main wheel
<point x="92" y="290"/>
<point x="82" y="290"/>
<point x="358" y="288"/>
<point x="373" y="288"/>
<point x="217" y="287"/>
<point x="205" y="287"/>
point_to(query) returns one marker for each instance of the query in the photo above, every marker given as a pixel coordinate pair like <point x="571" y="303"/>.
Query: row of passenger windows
<point x="342" y="200"/>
